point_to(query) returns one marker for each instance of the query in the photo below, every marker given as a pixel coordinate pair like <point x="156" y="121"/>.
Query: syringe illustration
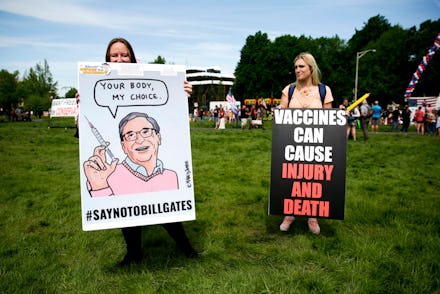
<point x="100" y="139"/>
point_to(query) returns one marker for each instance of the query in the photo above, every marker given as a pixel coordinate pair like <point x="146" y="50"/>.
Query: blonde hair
<point x="311" y="62"/>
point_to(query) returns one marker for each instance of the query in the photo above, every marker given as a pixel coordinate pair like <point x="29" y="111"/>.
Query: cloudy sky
<point x="192" y="32"/>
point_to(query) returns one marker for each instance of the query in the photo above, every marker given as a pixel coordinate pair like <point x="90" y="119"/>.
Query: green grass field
<point x="388" y="243"/>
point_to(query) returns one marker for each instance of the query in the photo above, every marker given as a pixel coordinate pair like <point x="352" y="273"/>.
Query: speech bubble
<point x="115" y="93"/>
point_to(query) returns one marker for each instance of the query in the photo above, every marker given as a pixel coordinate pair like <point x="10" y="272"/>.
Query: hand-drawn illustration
<point x="141" y="170"/>
<point x="135" y="145"/>
<point x="115" y="93"/>
<point x="100" y="139"/>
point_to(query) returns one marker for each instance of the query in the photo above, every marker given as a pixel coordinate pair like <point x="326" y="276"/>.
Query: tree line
<point x="34" y="91"/>
<point x="266" y="66"/>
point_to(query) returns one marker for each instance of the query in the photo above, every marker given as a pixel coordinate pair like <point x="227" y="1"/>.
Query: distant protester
<point x="375" y="117"/>
<point x="419" y="118"/>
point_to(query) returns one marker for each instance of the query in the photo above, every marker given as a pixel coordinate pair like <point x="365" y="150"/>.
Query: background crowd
<point x="399" y="119"/>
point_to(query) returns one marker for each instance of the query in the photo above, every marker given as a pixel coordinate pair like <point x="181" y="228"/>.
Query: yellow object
<point x="349" y="108"/>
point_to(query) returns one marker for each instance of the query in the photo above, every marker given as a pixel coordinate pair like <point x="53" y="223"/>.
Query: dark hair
<point x="126" y="43"/>
<point x="133" y="115"/>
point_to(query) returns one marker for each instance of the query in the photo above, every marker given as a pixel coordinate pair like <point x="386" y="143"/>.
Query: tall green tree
<point x="371" y="31"/>
<point x="380" y="73"/>
<point x="159" y="60"/>
<point x="8" y="90"/>
<point x="279" y="69"/>
<point x="71" y="93"/>
<point x="251" y="66"/>
<point x="398" y="54"/>
<point x="364" y="39"/>
<point x="265" y="67"/>
<point x="38" y="88"/>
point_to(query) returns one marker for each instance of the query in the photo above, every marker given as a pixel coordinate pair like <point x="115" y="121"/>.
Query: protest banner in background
<point x="140" y="113"/>
<point x="63" y="108"/>
<point x="308" y="163"/>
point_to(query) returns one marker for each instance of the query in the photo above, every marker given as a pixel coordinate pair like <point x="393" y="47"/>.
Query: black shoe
<point x="190" y="253"/>
<point x="128" y="260"/>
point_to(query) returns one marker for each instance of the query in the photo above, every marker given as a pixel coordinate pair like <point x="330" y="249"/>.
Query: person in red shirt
<point x="418" y="118"/>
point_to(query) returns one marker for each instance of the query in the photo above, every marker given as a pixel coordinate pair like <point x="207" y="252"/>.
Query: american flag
<point x="418" y="101"/>
<point x="230" y="98"/>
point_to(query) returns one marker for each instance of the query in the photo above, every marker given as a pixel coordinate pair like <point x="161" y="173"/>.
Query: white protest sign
<point x="142" y="173"/>
<point x="64" y="108"/>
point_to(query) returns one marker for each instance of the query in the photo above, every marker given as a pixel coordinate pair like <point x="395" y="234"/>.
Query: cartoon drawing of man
<point x="141" y="171"/>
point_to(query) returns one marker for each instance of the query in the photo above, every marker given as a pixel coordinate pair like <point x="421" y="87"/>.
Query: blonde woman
<point x="305" y="95"/>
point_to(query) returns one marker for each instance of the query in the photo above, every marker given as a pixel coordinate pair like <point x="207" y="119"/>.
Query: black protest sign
<point x="308" y="163"/>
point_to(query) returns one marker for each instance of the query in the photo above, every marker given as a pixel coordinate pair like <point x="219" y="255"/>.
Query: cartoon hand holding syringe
<point x="96" y="168"/>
